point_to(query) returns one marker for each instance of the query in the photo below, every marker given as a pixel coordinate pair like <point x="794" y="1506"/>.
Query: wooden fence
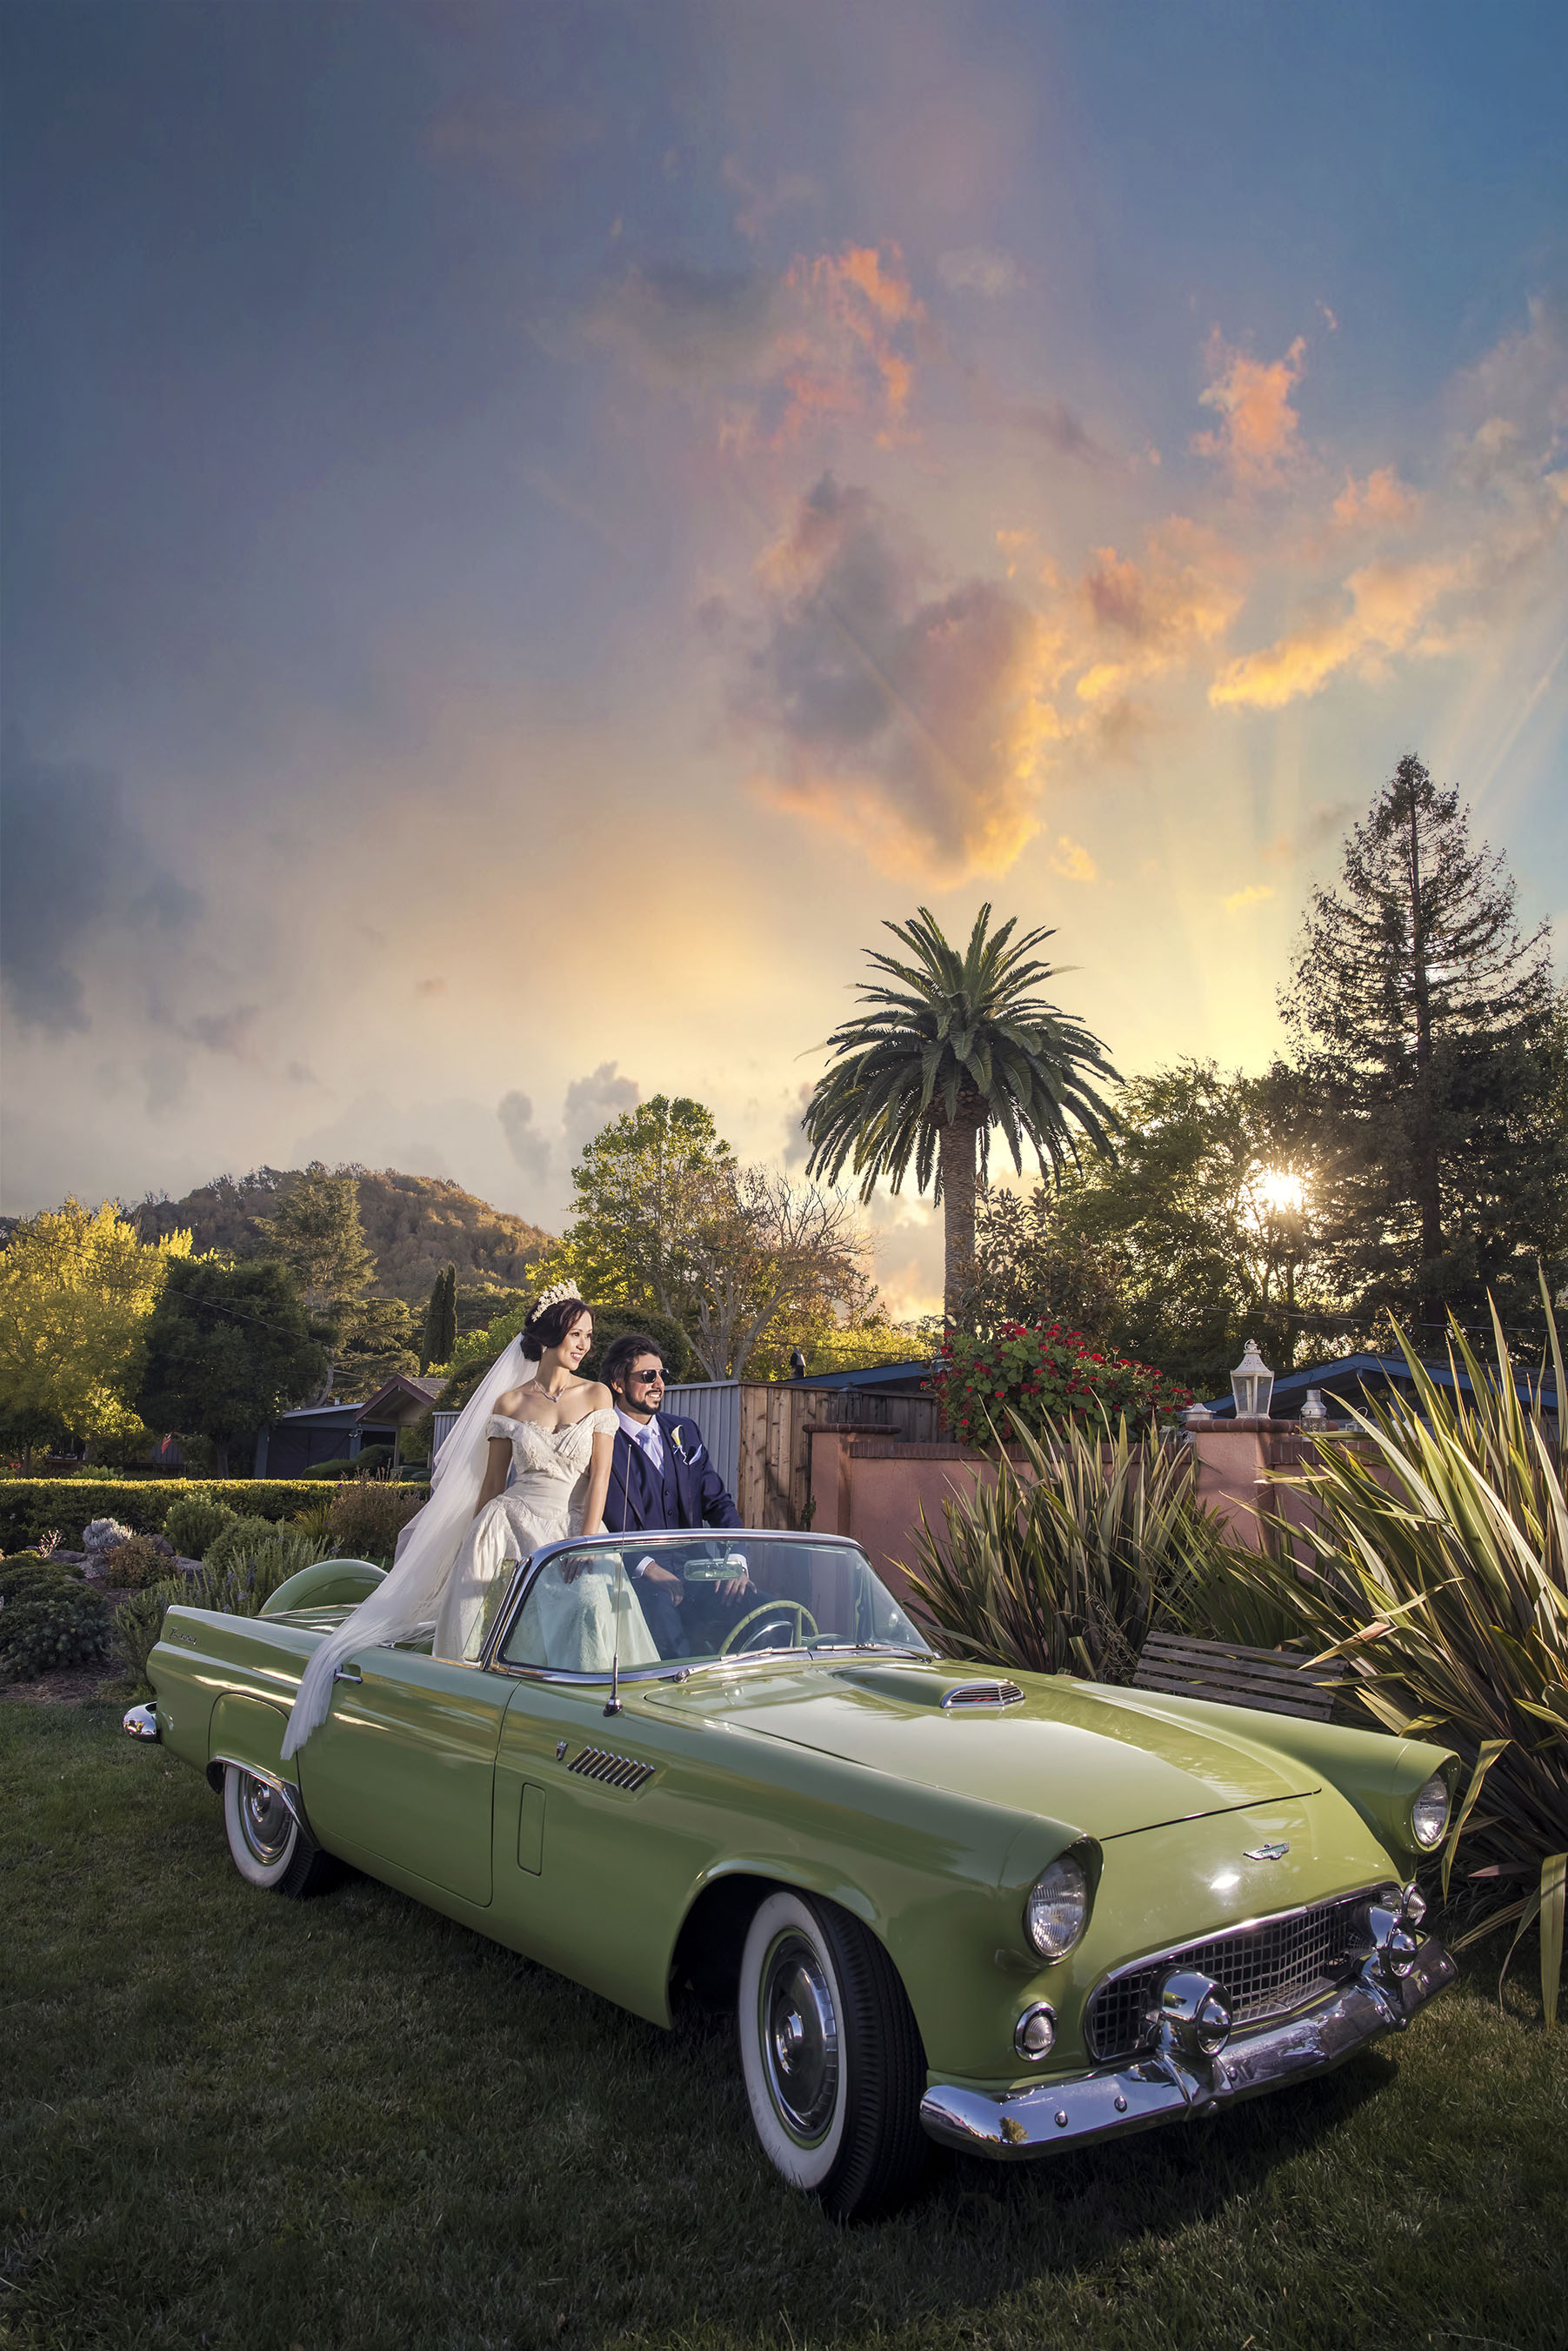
<point x="759" y="1433"/>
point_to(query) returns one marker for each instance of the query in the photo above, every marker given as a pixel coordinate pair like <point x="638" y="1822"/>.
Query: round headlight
<point x="1057" y="1910"/>
<point x="1429" y="1812"/>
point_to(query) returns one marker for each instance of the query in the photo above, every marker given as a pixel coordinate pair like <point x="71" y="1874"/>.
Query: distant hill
<point x="415" y="1226"/>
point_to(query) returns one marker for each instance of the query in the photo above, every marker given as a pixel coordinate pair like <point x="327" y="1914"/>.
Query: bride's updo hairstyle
<point x="556" y="1312"/>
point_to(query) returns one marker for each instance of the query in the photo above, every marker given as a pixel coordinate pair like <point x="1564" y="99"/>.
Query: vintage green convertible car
<point x="1008" y="1916"/>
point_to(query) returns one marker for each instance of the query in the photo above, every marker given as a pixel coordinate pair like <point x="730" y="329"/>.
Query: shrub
<point x="56" y="1622"/>
<point x="237" y="1541"/>
<point x="239" y="1578"/>
<point x="367" y="1516"/>
<point x="363" y="1464"/>
<point x="29" y="1572"/>
<point x="1437" y="1565"/>
<point x="241" y="1585"/>
<point x="30" y="1505"/>
<point x="316" y="1521"/>
<point x="1038" y="1376"/>
<point x="138" y="1562"/>
<point x="139" y="1624"/>
<point x="1065" y="1570"/>
<point x="194" y="1521"/>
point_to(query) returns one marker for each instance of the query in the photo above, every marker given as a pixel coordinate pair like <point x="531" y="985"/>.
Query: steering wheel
<point x="781" y="1612"/>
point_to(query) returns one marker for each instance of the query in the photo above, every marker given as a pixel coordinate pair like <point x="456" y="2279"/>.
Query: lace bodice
<point x="561" y="1453"/>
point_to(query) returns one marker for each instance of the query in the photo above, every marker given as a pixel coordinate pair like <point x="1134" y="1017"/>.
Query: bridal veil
<point x="407" y="1602"/>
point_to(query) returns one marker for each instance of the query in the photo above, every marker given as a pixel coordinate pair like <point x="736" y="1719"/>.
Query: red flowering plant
<point x="1044" y="1373"/>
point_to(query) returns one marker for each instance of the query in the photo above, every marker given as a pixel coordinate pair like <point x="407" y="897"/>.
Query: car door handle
<point x="348" y="1673"/>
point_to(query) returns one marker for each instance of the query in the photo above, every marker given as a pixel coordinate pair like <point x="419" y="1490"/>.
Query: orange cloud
<point x="1383" y="499"/>
<point x="1389" y="604"/>
<point x="1259" y="431"/>
<point x="916" y="727"/>
<point x="1072" y="861"/>
<point x="832" y="338"/>
<point x="1254" y="895"/>
<point x="1147" y="617"/>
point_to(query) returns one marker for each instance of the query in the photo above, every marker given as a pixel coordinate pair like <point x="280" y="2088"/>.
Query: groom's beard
<point x="644" y="1413"/>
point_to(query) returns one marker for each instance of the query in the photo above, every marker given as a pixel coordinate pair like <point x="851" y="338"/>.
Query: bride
<point x="531" y="1420"/>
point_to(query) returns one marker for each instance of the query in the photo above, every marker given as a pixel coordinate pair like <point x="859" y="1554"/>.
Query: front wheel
<point x="266" y="1845"/>
<point x="831" y="2054"/>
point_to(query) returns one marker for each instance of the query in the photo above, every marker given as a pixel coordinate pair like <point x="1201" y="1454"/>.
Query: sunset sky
<point x="529" y="530"/>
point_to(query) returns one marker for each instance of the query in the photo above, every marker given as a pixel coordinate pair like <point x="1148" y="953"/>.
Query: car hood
<point x="1113" y="1760"/>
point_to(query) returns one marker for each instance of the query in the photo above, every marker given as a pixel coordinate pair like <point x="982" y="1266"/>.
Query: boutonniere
<point x="675" y="1441"/>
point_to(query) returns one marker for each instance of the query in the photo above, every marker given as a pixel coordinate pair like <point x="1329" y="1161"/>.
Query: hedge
<point x="29" y="1507"/>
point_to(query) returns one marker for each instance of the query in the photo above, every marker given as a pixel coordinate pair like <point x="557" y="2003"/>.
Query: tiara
<point x="556" y="1295"/>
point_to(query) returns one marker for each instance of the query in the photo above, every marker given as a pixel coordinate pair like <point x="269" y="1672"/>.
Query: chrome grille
<point x="615" y="1770"/>
<point x="1264" y="1970"/>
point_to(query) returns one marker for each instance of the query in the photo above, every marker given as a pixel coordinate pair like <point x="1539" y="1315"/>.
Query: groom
<point x="661" y="1476"/>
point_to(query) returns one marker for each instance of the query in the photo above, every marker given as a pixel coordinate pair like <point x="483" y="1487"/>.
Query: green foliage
<point x="194" y="1521"/>
<point x="77" y="1286"/>
<point x="29" y="1571"/>
<point x="239" y="1575"/>
<point x="1194" y="1236"/>
<point x="1432" y="1041"/>
<point x="131" y="1565"/>
<point x="139" y="1625"/>
<point x="412" y="1225"/>
<point x="1437" y="1564"/>
<point x="48" y="1620"/>
<point x="440" y="1334"/>
<point x="315" y="1232"/>
<point x="225" y="1350"/>
<point x="371" y="1342"/>
<point x="958" y="1043"/>
<point x="31" y="1507"/>
<point x="1037" y="1378"/>
<point x="1064" y="1568"/>
<point x="628" y="1183"/>
<point x="367" y="1516"/>
<point x="239" y="1540"/>
<point x="363" y="1464"/>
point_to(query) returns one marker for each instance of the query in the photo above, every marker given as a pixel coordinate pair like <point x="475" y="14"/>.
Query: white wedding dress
<point x="579" y="1621"/>
<point x="451" y="1565"/>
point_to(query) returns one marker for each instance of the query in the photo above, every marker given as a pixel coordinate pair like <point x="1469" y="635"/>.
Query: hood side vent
<point x="615" y="1770"/>
<point x="983" y="1693"/>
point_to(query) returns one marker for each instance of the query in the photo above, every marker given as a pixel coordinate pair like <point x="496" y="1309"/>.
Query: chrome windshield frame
<point x="671" y="1668"/>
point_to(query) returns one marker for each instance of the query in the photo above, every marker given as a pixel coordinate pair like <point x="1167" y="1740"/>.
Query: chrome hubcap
<point x="265" y="1818"/>
<point x="799" y="2038"/>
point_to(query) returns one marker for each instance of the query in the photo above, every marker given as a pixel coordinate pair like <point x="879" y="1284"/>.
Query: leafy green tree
<point x="439" y="1320"/>
<point x="374" y="1343"/>
<point x="631" y="1181"/>
<point x="315" y="1231"/>
<point x="948" y="1046"/>
<point x="226" y="1348"/>
<point x="1198" y="1235"/>
<point x="1428" y="1034"/>
<point x="77" y="1285"/>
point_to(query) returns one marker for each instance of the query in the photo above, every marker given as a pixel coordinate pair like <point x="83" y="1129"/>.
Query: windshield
<point x="647" y="1600"/>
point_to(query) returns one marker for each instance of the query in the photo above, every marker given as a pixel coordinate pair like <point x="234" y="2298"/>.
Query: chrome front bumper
<point x="1172" y="2084"/>
<point x="141" y="1721"/>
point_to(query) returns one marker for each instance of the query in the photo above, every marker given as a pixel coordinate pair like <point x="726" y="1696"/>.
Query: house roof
<point x="1348" y="1375"/>
<point x="403" y="1387"/>
<point x="872" y="1375"/>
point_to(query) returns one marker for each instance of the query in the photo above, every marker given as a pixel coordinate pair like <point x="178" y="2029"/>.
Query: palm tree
<point x="958" y="1045"/>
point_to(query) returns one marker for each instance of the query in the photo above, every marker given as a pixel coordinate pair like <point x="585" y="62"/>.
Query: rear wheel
<point x="266" y="1845"/>
<point x="831" y="2054"/>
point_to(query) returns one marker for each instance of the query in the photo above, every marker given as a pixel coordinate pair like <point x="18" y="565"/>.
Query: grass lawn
<point x="233" y="2120"/>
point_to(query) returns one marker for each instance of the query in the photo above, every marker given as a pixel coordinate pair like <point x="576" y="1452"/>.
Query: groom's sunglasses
<point x="645" y="1379"/>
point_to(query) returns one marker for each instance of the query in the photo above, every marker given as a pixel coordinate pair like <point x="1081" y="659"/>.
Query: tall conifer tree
<point x="440" y="1320"/>
<point x="1429" y="1034"/>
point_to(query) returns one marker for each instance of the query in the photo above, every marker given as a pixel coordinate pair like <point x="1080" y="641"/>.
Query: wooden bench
<point x="1222" y="1670"/>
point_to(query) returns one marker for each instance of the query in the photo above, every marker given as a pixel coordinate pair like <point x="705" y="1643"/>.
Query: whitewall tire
<point x="832" y="2059"/>
<point x="266" y="1845"/>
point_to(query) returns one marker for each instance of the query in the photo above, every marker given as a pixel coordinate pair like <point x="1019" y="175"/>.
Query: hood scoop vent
<point x="967" y="1694"/>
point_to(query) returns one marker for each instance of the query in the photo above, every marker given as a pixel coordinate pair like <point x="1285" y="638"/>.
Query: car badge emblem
<point x="1265" y="1852"/>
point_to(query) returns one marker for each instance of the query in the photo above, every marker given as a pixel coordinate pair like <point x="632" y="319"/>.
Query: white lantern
<point x="1315" y="1413"/>
<point x="1252" y="1385"/>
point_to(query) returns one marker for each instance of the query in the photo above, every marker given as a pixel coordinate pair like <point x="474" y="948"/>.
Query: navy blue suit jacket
<point x="636" y="1499"/>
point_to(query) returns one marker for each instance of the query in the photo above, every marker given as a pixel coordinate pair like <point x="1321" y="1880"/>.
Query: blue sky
<point x="528" y="531"/>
